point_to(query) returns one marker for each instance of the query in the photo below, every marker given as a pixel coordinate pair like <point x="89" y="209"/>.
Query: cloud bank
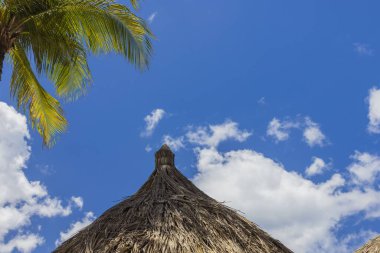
<point x="20" y="198"/>
<point x="303" y="214"/>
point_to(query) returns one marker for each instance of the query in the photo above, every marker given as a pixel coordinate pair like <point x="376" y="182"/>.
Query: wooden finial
<point x="164" y="156"/>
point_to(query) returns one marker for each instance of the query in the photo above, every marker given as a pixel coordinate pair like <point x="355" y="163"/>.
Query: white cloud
<point x="20" y="198"/>
<point x="75" y="227"/>
<point x="148" y="148"/>
<point x="318" y="166"/>
<point x="152" y="17"/>
<point x="45" y="169"/>
<point x="78" y="201"/>
<point x="363" y="49"/>
<point x="374" y="213"/>
<point x="302" y="214"/>
<point x="366" y="168"/>
<point x="280" y="130"/>
<point x="374" y="111"/>
<point x="212" y="135"/>
<point x="310" y="213"/>
<point x="174" y="143"/>
<point x="209" y="136"/>
<point x="262" y="101"/>
<point x="355" y="239"/>
<point x="23" y="243"/>
<point x="312" y="134"/>
<point x="152" y="121"/>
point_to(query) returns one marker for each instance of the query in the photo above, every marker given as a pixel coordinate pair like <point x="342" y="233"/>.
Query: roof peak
<point x="169" y="204"/>
<point x="164" y="156"/>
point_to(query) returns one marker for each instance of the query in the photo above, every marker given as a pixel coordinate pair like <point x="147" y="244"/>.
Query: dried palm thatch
<point x="170" y="215"/>
<point x="373" y="246"/>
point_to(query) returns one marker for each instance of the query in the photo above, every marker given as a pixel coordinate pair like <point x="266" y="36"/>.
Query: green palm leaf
<point x="57" y="35"/>
<point x="45" y="112"/>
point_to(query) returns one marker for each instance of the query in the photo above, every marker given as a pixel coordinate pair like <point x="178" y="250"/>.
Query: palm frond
<point x="64" y="62"/>
<point x="57" y="35"/>
<point x="135" y="4"/>
<point x="103" y="25"/>
<point x="45" y="112"/>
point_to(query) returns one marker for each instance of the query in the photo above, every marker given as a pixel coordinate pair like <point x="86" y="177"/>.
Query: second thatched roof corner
<point x="373" y="246"/>
<point x="169" y="214"/>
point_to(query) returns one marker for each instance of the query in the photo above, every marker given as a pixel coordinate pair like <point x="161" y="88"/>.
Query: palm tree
<point x="52" y="38"/>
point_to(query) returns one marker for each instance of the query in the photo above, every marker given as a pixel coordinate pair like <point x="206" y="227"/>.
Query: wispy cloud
<point x="152" y="17"/>
<point x="77" y="201"/>
<point x="363" y="49"/>
<point x="46" y="170"/>
<point x="174" y="143"/>
<point x="374" y="110"/>
<point x="75" y="227"/>
<point x="151" y="121"/>
<point x="262" y="101"/>
<point x="148" y="148"/>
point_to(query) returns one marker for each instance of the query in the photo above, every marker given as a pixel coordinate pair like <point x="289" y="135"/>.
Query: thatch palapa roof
<point x="169" y="214"/>
<point x="373" y="246"/>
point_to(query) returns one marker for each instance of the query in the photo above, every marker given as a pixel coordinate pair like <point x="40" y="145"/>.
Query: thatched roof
<point x="373" y="246"/>
<point x="170" y="214"/>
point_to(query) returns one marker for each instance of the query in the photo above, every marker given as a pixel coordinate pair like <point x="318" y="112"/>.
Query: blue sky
<point x="305" y="66"/>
